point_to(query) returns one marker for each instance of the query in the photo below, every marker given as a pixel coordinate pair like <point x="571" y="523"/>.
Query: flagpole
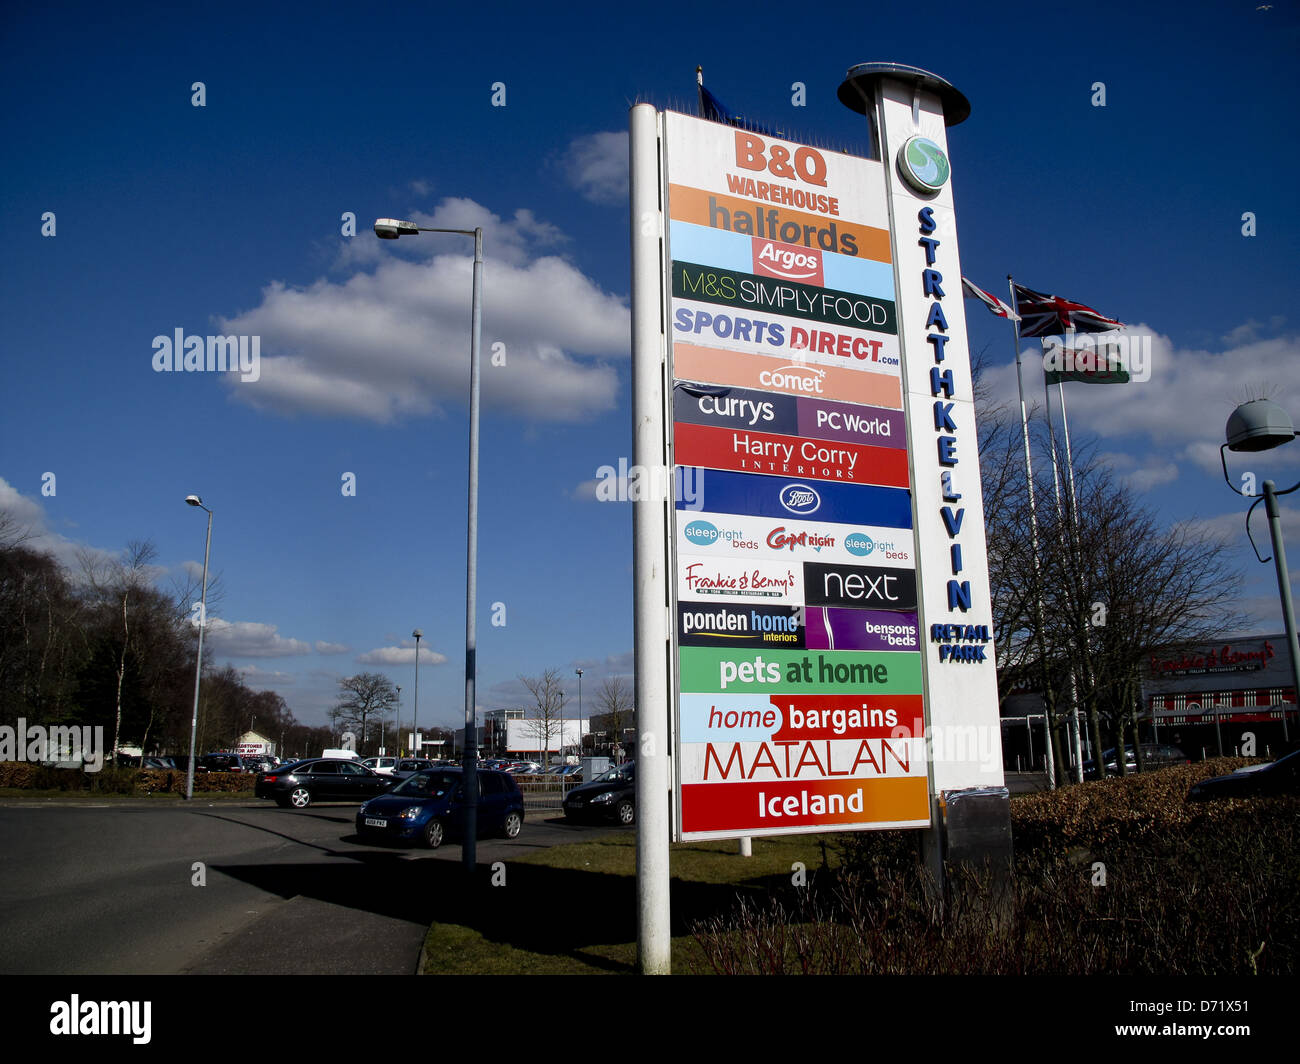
<point x="1033" y="537"/>
<point x="1069" y="458"/>
<point x="1061" y="519"/>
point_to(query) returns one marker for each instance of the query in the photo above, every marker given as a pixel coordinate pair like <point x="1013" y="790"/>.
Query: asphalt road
<point x="114" y="889"/>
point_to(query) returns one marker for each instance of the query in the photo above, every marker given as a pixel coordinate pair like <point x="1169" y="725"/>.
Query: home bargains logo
<point x="787" y="261"/>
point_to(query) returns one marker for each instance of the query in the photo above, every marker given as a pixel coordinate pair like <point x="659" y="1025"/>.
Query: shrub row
<point x="1114" y="876"/>
<point x="27" y="776"/>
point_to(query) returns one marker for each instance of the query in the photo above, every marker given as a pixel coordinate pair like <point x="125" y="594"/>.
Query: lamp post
<point x="194" y="500"/>
<point x="415" y="722"/>
<point x="391" y="229"/>
<point x="1261" y="425"/>
<point x="397" y="721"/>
<point x="579" y="672"/>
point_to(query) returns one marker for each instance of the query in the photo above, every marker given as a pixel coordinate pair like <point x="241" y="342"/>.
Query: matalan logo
<point x="787" y="261"/>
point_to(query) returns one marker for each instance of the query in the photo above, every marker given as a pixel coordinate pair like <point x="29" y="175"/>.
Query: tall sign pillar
<point x="909" y="111"/>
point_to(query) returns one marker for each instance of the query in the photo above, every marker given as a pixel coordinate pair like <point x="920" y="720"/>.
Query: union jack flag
<point x="1042" y="315"/>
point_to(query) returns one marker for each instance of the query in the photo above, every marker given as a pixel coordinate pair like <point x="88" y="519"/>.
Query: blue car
<point x="430" y="806"/>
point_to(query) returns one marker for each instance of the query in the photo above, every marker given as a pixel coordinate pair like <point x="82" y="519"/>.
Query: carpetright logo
<point x="56" y="744"/>
<point x="179" y="353"/>
<point x="788" y="261"/>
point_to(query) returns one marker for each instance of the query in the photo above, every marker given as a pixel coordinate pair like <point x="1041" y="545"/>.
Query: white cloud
<point x="323" y="647"/>
<point x="401" y="656"/>
<point x="393" y="343"/>
<point x="250" y="639"/>
<point x="597" y="166"/>
<point x="266" y="678"/>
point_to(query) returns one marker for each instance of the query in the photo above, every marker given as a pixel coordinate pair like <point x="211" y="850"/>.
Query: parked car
<point x="320" y="780"/>
<point x="610" y="796"/>
<point x="220" y="763"/>
<point x="1274" y="777"/>
<point x="409" y="766"/>
<point x="1155" y="755"/>
<point x="430" y="806"/>
<point x="383" y="765"/>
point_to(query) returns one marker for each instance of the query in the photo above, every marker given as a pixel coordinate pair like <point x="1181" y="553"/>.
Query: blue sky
<point x="227" y="218"/>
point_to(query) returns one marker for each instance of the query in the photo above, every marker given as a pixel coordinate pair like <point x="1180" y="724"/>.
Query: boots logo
<point x="787" y="261"/>
<point x="800" y="499"/>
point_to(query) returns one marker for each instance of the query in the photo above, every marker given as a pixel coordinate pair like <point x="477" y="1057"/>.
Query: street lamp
<point x="579" y="672"/>
<point x="194" y="500"/>
<point x="391" y="229"/>
<point x="1261" y="425"/>
<point x="415" y="723"/>
<point x="397" y="720"/>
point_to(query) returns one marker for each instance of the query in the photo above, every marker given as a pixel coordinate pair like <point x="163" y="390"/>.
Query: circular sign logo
<point x="923" y="164"/>
<point x="800" y="498"/>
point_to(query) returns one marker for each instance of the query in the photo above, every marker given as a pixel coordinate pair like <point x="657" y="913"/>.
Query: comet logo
<point x="787" y="261"/>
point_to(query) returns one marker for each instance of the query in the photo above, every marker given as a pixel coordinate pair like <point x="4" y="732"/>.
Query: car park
<point x="1274" y="777"/>
<point x="429" y="807"/>
<point x="610" y="796"/>
<point x="320" y="780"/>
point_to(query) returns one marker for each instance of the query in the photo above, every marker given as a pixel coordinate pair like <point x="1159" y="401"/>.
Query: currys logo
<point x="700" y="533"/>
<point x="800" y="499"/>
<point x="859" y="543"/>
<point x="787" y="261"/>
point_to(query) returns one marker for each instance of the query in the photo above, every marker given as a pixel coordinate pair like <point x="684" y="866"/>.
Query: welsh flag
<point x="1088" y="362"/>
<point x="1042" y="315"/>
<point x="994" y="304"/>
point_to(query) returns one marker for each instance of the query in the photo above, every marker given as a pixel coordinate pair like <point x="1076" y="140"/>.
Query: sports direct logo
<point x="787" y="261"/>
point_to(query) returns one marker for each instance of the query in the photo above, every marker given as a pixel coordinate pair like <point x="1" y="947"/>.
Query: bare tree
<point x="617" y="706"/>
<point x="120" y="584"/>
<point x="363" y="698"/>
<point x="545" y="716"/>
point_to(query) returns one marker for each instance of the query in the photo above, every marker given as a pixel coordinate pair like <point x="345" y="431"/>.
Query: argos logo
<point x="800" y="498"/>
<point x="787" y="261"/>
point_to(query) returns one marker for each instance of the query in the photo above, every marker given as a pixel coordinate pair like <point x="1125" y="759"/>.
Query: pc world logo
<point x="923" y="164"/>
<point x="787" y="261"/>
<point x="800" y="499"/>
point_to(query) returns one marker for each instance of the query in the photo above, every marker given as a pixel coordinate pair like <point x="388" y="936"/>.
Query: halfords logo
<point x="787" y="261"/>
<point x="800" y="499"/>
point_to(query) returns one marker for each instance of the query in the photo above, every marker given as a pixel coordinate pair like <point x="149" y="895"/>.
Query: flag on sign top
<point x="714" y="110"/>
<point x="1042" y="315"/>
<point x="991" y="301"/>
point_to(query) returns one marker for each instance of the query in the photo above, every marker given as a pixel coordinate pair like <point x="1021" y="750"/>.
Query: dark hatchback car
<point x="220" y="763"/>
<point x="1276" y="777"/>
<point x="430" y="807"/>
<point x="610" y="796"/>
<point x="320" y="780"/>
